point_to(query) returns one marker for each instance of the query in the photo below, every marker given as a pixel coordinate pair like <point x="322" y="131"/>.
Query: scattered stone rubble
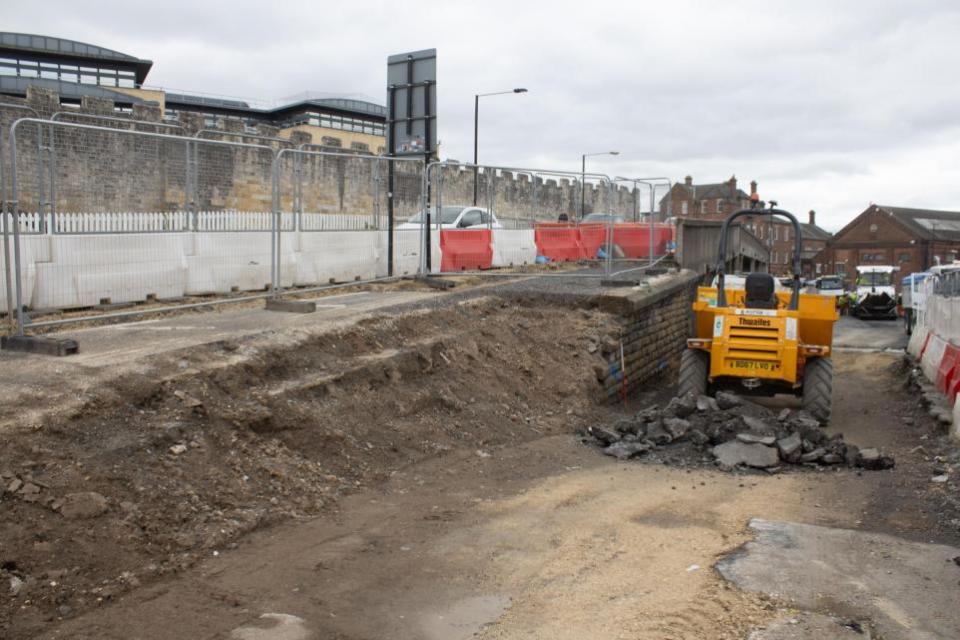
<point x="732" y="432"/>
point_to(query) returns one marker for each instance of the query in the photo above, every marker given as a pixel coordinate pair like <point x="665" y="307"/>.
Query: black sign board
<point x="412" y="103"/>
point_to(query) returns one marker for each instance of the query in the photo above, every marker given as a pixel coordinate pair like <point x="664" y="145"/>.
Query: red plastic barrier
<point x="633" y="238"/>
<point x="947" y="370"/>
<point x="592" y="237"/>
<point x="463" y="249"/>
<point x="558" y="242"/>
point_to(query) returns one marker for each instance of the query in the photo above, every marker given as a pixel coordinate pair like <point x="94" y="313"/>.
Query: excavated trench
<point x="156" y="471"/>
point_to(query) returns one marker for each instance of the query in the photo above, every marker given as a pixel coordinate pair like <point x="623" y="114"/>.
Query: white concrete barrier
<point x="34" y="249"/>
<point x="917" y="340"/>
<point x="85" y="270"/>
<point x="238" y="261"/>
<point x="513" y="247"/>
<point x="407" y="251"/>
<point x="337" y="255"/>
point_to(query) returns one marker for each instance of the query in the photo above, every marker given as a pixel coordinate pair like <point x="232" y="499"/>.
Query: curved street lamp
<point x="476" y="126"/>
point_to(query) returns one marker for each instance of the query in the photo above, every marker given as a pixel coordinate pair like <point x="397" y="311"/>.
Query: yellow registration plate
<point x="754" y="365"/>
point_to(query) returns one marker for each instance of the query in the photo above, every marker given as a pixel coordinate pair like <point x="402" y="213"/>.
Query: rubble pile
<point x="732" y="432"/>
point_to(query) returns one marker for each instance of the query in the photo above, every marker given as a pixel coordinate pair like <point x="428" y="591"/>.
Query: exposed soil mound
<point x="163" y="471"/>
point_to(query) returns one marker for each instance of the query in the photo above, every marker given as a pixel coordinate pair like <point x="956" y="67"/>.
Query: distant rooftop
<point x="931" y="224"/>
<point x="61" y="47"/>
<point x="34" y="47"/>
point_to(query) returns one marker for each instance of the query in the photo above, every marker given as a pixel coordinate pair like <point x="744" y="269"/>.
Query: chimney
<point x="688" y="181"/>
<point x="753" y="187"/>
<point x="813" y="217"/>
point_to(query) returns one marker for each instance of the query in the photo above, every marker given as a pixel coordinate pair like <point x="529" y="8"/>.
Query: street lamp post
<point x="583" y="176"/>
<point x="476" y="128"/>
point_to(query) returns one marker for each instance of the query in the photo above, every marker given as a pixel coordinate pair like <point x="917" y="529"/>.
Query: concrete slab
<point x="908" y="590"/>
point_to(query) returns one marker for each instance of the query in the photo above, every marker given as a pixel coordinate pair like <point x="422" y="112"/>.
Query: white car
<point x="455" y="217"/>
<point x="829" y="286"/>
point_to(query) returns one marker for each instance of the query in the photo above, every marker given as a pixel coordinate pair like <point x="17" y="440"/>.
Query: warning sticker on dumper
<point x="717" y="326"/>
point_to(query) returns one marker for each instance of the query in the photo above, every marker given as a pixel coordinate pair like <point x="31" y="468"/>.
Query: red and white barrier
<point x="935" y="342"/>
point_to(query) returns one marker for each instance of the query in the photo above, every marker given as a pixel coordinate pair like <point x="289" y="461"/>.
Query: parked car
<point x="455" y="217"/>
<point x="829" y="286"/>
<point x="602" y="218"/>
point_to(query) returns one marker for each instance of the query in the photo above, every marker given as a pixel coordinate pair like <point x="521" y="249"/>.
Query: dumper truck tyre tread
<point x="818" y="388"/>
<point x="694" y="370"/>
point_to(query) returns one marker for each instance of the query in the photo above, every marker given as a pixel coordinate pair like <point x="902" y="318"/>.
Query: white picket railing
<point x="84" y="222"/>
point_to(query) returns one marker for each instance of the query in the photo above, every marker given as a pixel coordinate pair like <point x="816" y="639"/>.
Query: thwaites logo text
<point x="746" y="321"/>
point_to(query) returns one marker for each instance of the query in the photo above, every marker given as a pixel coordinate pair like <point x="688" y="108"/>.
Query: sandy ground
<point x="547" y="539"/>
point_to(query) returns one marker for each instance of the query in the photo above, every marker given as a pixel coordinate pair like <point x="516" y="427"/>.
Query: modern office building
<point x="75" y="69"/>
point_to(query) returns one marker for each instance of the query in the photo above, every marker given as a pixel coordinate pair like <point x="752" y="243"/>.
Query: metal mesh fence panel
<point x="341" y="203"/>
<point x="8" y="114"/>
<point x="112" y="216"/>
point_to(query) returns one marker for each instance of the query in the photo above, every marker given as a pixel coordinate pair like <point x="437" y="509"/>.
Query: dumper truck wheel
<point x="818" y="388"/>
<point x="694" y="369"/>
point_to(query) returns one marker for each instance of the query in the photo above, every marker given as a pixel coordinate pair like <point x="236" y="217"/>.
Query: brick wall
<point x="653" y="332"/>
<point x="875" y="238"/>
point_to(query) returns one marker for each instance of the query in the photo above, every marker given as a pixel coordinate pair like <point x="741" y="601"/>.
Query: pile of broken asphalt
<point x="730" y="432"/>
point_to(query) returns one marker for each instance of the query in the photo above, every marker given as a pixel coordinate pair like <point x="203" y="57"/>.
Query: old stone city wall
<point x="107" y="171"/>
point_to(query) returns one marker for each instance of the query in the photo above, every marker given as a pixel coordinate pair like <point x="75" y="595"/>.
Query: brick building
<point x="815" y="240"/>
<point x="705" y="201"/>
<point x="910" y="239"/>
<point x="716" y="201"/>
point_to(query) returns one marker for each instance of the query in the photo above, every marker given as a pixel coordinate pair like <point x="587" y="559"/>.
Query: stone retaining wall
<point x="656" y="323"/>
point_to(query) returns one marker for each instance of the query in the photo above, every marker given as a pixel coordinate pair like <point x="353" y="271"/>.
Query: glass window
<point x="126" y="82"/>
<point x="85" y="79"/>
<point x="28" y="71"/>
<point x="47" y="74"/>
<point x="905" y="256"/>
<point x="878" y="279"/>
<point x="7" y="71"/>
<point x="69" y="77"/>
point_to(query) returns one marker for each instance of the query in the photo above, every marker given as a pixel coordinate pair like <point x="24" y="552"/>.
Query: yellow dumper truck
<point x="759" y="340"/>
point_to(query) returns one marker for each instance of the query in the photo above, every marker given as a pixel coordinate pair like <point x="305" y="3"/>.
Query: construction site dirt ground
<point x="416" y="474"/>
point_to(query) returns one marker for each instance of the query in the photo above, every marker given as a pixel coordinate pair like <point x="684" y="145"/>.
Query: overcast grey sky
<point x="828" y="105"/>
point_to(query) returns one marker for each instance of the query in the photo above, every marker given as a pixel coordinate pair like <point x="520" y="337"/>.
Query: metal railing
<point x="546" y="201"/>
<point x="6" y="220"/>
<point x="120" y="204"/>
<point x="97" y="188"/>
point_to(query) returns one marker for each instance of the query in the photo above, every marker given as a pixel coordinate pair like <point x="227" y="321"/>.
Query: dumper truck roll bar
<point x="797" y="248"/>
